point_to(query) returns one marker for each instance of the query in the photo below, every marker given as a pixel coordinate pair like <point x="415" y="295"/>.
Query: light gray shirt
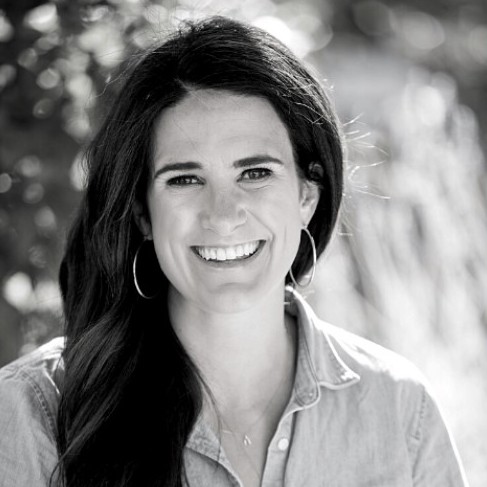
<point x="359" y="416"/>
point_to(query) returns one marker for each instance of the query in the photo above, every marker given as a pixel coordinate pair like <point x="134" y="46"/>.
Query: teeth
<point x="220" y="254"/>
<point x="228" y="253"/>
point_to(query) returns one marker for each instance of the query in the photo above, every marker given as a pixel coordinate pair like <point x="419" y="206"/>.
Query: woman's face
<point x="226" y="205"/>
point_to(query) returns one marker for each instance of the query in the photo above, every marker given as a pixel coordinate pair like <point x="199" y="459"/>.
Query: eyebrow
<point x="240" y="163"/>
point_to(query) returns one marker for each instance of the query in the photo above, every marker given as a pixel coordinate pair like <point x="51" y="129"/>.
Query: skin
<point x="224" y="174"/>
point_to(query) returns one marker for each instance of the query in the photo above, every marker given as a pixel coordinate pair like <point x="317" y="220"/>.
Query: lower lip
<point x="231" y="263"/>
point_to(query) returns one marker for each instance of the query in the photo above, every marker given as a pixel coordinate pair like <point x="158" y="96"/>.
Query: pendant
<point x="246" y="440"/>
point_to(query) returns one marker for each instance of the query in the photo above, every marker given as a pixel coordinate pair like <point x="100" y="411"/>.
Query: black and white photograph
<point x="243" y="243"/>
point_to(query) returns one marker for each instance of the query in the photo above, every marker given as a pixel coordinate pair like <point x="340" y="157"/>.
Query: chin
<point x="232" y="298"/>
<point x="238" y="297"/>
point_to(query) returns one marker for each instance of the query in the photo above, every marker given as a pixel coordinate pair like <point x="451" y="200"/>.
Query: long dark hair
<point x="131" y="394"/>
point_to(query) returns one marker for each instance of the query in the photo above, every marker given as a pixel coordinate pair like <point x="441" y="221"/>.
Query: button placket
<point x="283" y="434"/>
<point x="278" y="452"/>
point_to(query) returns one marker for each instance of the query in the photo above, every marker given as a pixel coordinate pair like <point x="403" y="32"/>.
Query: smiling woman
<point x="226" y="205"/>
<point x="189" y="357"/>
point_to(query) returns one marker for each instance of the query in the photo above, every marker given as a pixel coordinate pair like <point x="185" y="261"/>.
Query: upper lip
<point x="226" y="245"/>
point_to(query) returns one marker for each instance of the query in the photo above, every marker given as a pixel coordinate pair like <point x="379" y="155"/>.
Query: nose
<point x="223" y="211"/>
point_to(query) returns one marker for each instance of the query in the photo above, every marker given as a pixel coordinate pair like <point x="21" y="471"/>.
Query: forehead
<point x="208" y="120"/>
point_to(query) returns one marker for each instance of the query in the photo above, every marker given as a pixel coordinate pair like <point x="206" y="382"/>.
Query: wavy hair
<point x="131" y="394"/>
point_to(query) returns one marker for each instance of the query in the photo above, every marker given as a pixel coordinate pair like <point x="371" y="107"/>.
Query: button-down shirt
<point x="359" y="416"/>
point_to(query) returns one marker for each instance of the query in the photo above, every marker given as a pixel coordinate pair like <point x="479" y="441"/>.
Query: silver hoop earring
<point x="313" y="269"/>
<point x="137" y="258"/>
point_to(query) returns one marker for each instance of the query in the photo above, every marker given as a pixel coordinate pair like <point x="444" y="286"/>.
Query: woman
<point x="215" y="181"/>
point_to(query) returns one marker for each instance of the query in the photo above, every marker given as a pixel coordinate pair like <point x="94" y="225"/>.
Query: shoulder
<point x="41" y="370"/>
<point x="43" y="357"/>
<point x="343" y="358"/>
<point x="29" y="396"/>
<point x="31" y="383"/>
<point x="402" y="393"/>
<point x="387" y="399"/>
<point x="385" y="378"/>
<point x="390" y="387"/>
<point x="369" y="359"/>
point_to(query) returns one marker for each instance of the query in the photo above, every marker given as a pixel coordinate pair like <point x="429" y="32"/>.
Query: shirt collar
<point x="318" y="365"/>
<point x="318" y="362"/>
<point x="204" y="441"/>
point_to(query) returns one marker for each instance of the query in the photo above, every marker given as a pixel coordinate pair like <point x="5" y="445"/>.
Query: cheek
<point x="170" y="229"/>
<point x="282" y="205"/>
<point x="288" y="218"/>
<point x="165" y="211"/>
<point x="280" y="214"/>
<point x="168" y="224"/>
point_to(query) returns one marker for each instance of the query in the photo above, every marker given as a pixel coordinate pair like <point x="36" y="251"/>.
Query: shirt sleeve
<point x="28" y="453"/>
<point x="436" y="461"/>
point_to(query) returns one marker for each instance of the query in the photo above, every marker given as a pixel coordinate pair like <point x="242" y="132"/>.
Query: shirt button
<point x="283" y="444"/>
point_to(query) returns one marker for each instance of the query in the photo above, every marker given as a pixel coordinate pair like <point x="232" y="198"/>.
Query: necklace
<point x="243" y="440"/>
<point x="244" y="437"/>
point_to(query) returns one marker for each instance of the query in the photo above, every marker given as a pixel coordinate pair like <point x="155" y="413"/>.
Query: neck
<point x="239" y="354"/>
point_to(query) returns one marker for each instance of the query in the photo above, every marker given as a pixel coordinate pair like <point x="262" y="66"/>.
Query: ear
<point x="142" y="220"/>
<point x="308" y="200"/>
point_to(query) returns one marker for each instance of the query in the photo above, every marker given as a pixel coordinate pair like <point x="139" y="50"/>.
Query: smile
<point x="228" y="254"/>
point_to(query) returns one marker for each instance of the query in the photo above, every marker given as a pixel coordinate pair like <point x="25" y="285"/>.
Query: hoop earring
<point x="313" y="269"/>
<point x="134" y="271"/>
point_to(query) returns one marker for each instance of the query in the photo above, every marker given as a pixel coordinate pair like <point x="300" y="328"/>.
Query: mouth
<point x="229" y="254"/>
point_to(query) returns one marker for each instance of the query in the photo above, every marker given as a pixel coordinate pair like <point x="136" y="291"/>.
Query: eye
<point x="256" y="174"/>
<point x="186" y="180"/>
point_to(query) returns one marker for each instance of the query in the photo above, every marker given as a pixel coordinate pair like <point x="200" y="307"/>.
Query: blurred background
<point x="408" y="265"/>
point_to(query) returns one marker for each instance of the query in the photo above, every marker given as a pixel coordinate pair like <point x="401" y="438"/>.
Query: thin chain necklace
<point x="244" y="437"/>
<point x="244" y="441"/>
